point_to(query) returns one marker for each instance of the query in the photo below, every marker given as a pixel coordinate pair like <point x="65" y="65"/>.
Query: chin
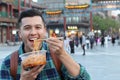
<point x="29" y="48"/>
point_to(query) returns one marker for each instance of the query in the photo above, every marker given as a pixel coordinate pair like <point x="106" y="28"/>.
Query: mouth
<point x="32" y="39"/>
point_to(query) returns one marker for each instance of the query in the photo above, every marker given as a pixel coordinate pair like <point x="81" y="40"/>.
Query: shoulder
<point x="6" y="62"/>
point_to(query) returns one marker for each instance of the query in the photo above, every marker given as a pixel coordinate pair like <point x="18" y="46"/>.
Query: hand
<point x="31" y="74"/>
<point x="56" y="45"/>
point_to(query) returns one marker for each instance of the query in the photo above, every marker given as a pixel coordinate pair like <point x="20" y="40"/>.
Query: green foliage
<point x="104" y="23"/>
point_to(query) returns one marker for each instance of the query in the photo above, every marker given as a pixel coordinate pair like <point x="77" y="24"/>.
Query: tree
<point x="104" y="24"/>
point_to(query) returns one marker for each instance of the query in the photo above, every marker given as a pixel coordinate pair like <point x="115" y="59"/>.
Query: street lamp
<point x="14" y="32"/>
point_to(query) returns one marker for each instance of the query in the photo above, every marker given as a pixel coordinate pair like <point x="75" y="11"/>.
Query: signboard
<point x="8" y="1"/>
<point x="76" y="2"/>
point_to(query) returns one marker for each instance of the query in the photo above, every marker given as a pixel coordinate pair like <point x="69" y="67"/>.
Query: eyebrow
<point x="38" y="25"/>
<point x="26" y="25"/>
<point x="33" y="25"/>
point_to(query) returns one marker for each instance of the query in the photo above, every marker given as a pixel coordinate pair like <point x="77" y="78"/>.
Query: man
<point x="31" y="27"/>
<point x="71" y="43"/>
<point x="83" y="43"/>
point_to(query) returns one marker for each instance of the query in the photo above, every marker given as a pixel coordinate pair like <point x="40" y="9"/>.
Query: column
<point x="24" y="3"/>
<point x="7" y="32"/>
<point x="2" y="35"/>
<point x="19" y="4"/>
<point x="64" y="26"/>
<point x="8" y="10"/>
<point x="91" y="23"/>
<point x="30" y="3"/>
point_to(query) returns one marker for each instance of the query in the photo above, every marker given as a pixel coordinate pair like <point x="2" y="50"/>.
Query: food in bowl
<point x="33" y="59"/>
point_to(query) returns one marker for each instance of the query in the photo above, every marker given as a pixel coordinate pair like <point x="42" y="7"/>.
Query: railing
<point x="3" y="14"/>
<point x="13" y="20"/>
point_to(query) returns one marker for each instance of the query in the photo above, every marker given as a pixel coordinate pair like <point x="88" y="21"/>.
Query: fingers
<point x="54" y="42"/>
<point x="32" y="73"/>
<point x="36" y="71"/>
<point x="55" y="45"/>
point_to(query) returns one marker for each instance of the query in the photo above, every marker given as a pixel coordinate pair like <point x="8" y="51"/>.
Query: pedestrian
<point x="80" y="39"/>
<point x="72" y="44"/>
<point x="16" y="38"/>
<point x="66" y="44"/>
<point x="87" y="42"/>
<point x="76" y="40"/>
<point x="32" y="26"/>
<point x="113" y="40"/>
<point x="102" y="41"/>
<point x="54" y="34"/>
<point x="96" y="40"/>
<point x="83" y="43"/>
<point x="91" y="42"/>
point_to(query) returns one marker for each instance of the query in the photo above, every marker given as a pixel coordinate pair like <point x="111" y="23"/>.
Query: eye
<point x="27" y="27"/>
<point x="38" y="27"/>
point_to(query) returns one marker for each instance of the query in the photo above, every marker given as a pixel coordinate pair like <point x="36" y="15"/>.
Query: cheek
<point x="23" y="35"/>
<point x="43" y="33"/>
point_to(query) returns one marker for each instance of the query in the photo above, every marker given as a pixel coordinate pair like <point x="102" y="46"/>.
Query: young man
<point x="31" y="27"/>
<point x="83" y="43"/>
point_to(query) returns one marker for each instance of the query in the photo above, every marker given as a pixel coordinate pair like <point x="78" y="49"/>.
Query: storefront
<point x="76" y="29"/>
<point x="57" y="29"/>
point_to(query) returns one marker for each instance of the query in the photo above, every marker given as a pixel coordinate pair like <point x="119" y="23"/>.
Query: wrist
<point x="21" y="78"/>
<point x="62" y="55"/>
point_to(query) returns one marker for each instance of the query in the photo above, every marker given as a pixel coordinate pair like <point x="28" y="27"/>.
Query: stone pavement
<point x="101" y="62"/>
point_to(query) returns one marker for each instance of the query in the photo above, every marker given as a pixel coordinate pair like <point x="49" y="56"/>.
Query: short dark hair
<point x="29" y="13"/>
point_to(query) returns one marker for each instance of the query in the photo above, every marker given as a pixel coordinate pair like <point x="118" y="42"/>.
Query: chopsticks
<point x="60" y="38"/>
<point x="37" y="41"/>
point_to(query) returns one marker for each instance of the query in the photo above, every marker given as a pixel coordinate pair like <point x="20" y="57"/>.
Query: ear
<point x="19" y="33"/>
<point x="46" y="33"/>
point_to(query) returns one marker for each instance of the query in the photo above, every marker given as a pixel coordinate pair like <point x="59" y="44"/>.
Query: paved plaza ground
<point x="101" y="62"/>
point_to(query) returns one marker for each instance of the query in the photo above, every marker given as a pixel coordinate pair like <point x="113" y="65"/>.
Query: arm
<point x="5" y="72"/>
<point x="73" y="68"/>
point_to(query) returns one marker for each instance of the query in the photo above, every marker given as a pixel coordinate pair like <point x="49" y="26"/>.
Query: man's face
<point x="31" y="28"/>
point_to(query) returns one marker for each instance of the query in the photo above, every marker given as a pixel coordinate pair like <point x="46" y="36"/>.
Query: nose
<point x="33" y="31"/>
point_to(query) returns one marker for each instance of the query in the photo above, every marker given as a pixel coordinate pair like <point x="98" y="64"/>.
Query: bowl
<point x="33" y="59"/>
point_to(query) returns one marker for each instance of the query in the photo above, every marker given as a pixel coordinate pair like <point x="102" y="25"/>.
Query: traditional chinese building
<point x="9" y="12"/>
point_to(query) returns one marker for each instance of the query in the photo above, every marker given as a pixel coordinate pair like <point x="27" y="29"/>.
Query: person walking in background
<point x="113" y="40"/>
<point x="71" y="43"/>
<point x="54" y="34"/>
<point x="76" y="40"/>
<point x="66" y="44"/>
<point x="91" y="42"/>
<point x="96" y="40"/>
<point x="83" y="43"/>
<point x="106" y="40"/>
<point x="87" y="42"/>
<point x="80" y="39"/>
<point x="102" y="41"/>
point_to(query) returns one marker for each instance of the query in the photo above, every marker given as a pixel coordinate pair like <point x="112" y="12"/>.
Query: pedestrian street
<point x="101" y="62"/>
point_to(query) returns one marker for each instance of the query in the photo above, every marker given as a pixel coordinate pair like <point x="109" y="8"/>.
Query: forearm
<point x="72" y="67"/>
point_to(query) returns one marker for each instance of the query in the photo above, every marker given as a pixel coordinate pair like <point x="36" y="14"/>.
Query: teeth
<point x="33" y="38"/>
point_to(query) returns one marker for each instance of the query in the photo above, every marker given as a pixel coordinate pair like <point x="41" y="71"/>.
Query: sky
<point x="115" y="12"/>
<point x="34" y="0"/>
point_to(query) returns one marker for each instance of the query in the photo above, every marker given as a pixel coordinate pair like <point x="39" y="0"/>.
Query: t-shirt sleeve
<point x="83" y="75"/>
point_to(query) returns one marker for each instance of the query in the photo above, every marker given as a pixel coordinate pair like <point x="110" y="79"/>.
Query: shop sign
<point x="10" y="1"/>
<point x="72" y="27"/>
